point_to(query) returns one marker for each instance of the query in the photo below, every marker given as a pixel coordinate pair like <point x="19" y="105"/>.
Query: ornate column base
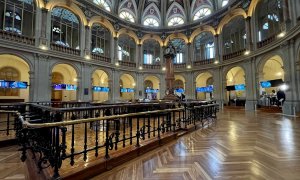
<point x="290" y="108"/>
<point x="250" y="105"/>
<point x="170" y="97"/>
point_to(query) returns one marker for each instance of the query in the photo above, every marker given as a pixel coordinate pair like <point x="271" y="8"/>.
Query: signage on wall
<point x="13" y="84"/>
<point x="100" y="89"/>
<point x="126" y="90"/>
<point x="68" y="87"/>
<point x="205" y="89"/>
<point x="148" y="90"/>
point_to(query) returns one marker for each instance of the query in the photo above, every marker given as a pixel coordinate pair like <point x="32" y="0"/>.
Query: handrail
<point x="27" y="124"/>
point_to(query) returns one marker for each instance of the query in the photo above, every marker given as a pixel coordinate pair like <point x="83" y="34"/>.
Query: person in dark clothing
<point x="280" y="97"/>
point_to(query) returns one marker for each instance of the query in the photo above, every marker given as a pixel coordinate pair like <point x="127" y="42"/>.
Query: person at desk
<point x="273" y="97"/>
<point x="280" y="97"/>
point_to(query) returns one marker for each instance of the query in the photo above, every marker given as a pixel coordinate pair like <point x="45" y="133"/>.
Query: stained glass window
<point x="103" y="4"/>
<point x="127" y="16"/>
<point x="175" y="21"/>
<point x="151" y="22"/>
<point x="202" y="13"/>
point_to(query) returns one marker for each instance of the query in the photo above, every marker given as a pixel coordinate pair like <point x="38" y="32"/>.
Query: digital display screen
<point x="100" y="89"/>
<point x="13" y="84"/>
<point x="152" y="90"/>
<point x="130" y="90"/>
<point x="58" y="86"/>
<point x="205" y="89"/>
<point x="70" y="87"/>
<point x="239" y="87"/>
<point x="265" y="84"/>
<point x="123" y="90"/>
<point x="180" y="90"/>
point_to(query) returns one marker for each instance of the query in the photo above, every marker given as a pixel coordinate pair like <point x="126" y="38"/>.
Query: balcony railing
<point x="151" y="66"/>
<point x="180" y="66"/>
<point x="266" y="41"/>
<point x="234" y="54"/>
<point x="203" y="62"/>
<point x="17" y="38"/>
<point x="98" y="57"/>
<point x="64" y="49"/>
<point x="127" y="63"/>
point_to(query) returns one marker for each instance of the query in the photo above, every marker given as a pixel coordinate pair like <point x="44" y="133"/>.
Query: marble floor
<point x="241" y="145"/>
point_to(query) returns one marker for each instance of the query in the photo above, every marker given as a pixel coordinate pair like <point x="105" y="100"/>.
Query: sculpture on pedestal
<point x="170" y="54"/>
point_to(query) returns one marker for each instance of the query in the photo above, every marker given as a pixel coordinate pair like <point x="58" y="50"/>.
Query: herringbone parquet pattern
<point x="240" y="145"/>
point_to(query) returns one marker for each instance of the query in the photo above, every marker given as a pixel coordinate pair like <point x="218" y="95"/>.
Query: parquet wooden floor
<point x="241" y="145"/>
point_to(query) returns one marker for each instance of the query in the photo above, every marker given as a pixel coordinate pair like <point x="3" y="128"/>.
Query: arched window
<point x="224" y="2"/>
<point x="270" y="18"/>
<point x="202" y="13"/>
<point x="234" y="36"/>
<point x="100" y="40"/>
<point x="180" y="47"/>
<point x="151" y="51"/>
<point x="126" y="48"/>
<point x="127" y="16"/>
<point x="175" y="21"/>
<point x="65" y="28"/>
<point x="204" y="47"/>
<point x="103" y="4"/>
<point x="151" y="22"/>
<point x="18" y="17"/>
<point x="9" y="74"/>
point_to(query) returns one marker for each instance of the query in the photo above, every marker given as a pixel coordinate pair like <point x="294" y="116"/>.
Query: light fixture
<point x="216" y="62"/>
<point x="75" y="79"/>
<point x="189" y="66"/>
<point x="87" y="57"/>
<point x="133" y="84"/>
<point x="141" y="67"/>
<point x="43" y="47"/>
<point x="279" y="74"/>
<point x="117" y="64"/>
<point x="164" y="68"/>
<point x="284" y="87"/>
<point x="247" y="52"/>
<point x="282" y="34"/>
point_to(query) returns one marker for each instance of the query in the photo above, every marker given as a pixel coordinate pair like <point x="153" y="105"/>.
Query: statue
<point x="170" y="54"/>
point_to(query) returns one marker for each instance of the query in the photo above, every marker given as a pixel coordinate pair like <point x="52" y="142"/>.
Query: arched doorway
<point x="127" y="87"/>
<point x="14" y="78"/>
<point x="151" y="87"/>
<point x="179" y="85"/>
<point x="204" y="86"/>
<point x="236" y="88"/>
<point x="100" y="86"/>
<point x="271" y="79"/>
<point x="64" y="83"/>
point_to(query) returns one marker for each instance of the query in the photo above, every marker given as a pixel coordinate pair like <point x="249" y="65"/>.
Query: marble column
<point x="88" y="38"/>
<point x="219" y="87"/>
<point x="251" y="85"/>
<point x="115" y="85"/>
<point x="248" y="34"/>
<point x="217" y="49"/>
<point x="43" y="40"/>
<point x="139" y="52"/>
<point x="116" y="51"/>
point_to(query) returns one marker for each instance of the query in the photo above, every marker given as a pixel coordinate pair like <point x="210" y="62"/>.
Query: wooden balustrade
<point x="17" y="37"/>
<point x="127" y="63"/>
<point x="64" y="49"/>
<point x="151" y="66"/>
<point x="98" y="57"/>
<point x="266" y="41"/>
<point x="203" y="62"/>
<point x="234" y="54"/>
<point x="180" y="66"/>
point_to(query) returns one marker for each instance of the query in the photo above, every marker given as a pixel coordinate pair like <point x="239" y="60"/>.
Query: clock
<point x="167" y="50"/>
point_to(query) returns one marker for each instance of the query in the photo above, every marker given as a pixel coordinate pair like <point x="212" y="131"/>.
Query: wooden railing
<point x="180" y="66"/>
<point x="64" y="49"/>
<point x="100" y="58"/>
<point x="266" y="41"/>
<point x="203" y="62"/>
<point x="127" y="63"/>
<point x="52" y="139"/>
<point x="17" y="37"/>
<point x="151" y="66"/>
<point x="234" y="54"/>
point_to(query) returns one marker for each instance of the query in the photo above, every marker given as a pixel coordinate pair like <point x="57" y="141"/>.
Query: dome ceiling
<point x="161" y="13"/>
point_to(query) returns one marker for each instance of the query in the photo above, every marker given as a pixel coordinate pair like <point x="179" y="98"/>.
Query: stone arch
<point x="200" y="30"/>
<point x="152" y="36"/>
<point x="129" y="33"/>
<point x="175" y="36"/>
<point x="232" y="14"/>
<point x="70" y="6"/>
<point x="103" y="21"/>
